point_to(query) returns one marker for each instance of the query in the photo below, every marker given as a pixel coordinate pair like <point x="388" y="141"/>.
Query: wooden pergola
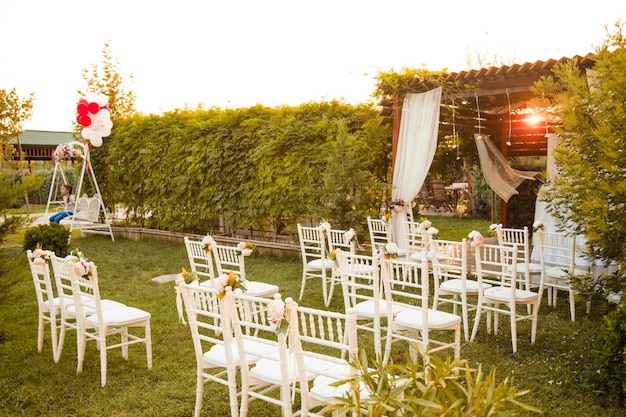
<point x="494" y="101"/>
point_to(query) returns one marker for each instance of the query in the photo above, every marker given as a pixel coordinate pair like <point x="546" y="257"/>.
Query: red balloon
<point x="82" y="108"/>
<point x="93" y="107"/>
<point x="83" y="120"/>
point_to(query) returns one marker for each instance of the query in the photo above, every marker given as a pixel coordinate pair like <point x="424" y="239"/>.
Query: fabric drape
<point x="417" y="143"/>
<point x="502" y="179"/>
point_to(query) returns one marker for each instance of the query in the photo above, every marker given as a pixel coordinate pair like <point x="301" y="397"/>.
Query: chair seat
<point x="260" y="289"/>
<point x="560" y="273"/>
<point x="418" y="256"/>
<point x="56" y="302"/>
<point x="119" y="316"/>
<point x="412" y="318"/>
<point x="320" y="263"/>
<point x="266" y="368"/>
<point x="532" y="268"/>
<point x="217" y="354"/>
<point x="90" y="307"/>
<point x="324" y="387"/>
<point x="456" y="285"/>
<point x="504" y="294"/>
<point x="366" y="308"/>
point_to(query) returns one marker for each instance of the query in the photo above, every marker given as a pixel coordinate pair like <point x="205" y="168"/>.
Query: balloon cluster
<point x="95" y="118"/>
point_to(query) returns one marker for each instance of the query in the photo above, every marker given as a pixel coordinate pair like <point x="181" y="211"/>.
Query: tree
<point x="14" y="110"/>
<point x="590" y="191"/>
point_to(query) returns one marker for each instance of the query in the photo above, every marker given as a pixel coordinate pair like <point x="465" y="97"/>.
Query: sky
<point x="238" y="53"/>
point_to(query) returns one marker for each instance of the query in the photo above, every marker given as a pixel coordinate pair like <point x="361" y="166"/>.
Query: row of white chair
<point x="77" y="306"/>
<point x="275" y="347"/>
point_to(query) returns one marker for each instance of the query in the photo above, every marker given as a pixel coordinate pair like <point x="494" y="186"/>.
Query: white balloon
<point x="101" y="99"/>
<point x="96" y="141"/>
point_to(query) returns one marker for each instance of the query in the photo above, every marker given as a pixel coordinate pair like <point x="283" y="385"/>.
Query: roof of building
<point x="44" y="138"/>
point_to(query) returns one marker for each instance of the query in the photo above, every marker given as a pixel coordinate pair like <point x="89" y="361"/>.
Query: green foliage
<point x="255" y="167"/>
<point x="13" y="111"/>
<point x="11" y="190"/>
<point x="590" y="191"/>
<point x="484" y="201"/>
<point x="51" y="236"/>
<point x="611" y="344"/>
<point x="436" y="388"/>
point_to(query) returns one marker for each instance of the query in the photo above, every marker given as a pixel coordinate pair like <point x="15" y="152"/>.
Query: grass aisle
<point x="558" y="369"/>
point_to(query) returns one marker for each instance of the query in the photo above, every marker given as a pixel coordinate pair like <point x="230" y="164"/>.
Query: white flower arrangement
<point x="278" y="315"/>
<point x="227" y="280"/>
<point x="209" y="243"/>
<point x="67" y="151"/>
<point x="538" y="225"/>
<point x="433" y="232"/>
<point x="349" y="236"/>
<point x="426" y="224"/>
<point x="389" y="250"/>
<point x="476" y="238"/>
<point x="493" y="229"/>
<point x="82" y="267"/>
<point x="324" y="225"/>
<point x="186" y="276"/>
<point x="245" y="248"/>
<point x="41" y="256"/>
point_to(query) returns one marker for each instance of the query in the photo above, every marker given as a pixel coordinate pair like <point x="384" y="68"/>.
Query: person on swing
<point x="70" y="203"/>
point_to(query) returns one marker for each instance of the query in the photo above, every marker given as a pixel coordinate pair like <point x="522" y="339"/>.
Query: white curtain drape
<point x="417" y="144"/>
<point x="502" y="179"/>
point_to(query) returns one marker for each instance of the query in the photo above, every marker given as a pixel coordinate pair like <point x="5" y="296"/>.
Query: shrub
<point x="437" y="388"/>
<point x="611" y="343"/>
<point x="51" y="236"/>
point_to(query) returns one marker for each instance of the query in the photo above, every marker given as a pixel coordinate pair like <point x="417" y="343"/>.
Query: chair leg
<point x="124" y="337"/>
<point x="476" y="322"/>
<point x="82" y="342"/>
<point x="40" y="329"/>
<point x="304" y="278"/>
<point x="533" y="334"/>
<point x="148" y="336"/>
<point x="103" y="362"/>
<point x="465" y="315"/>
<point x="572" y="305"/>
<point x="513" y="329"/>
<point x="53" y="336"/>
<point x="199" y="392"/>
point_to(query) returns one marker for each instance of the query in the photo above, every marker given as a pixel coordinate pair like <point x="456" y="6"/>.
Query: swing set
<point x="89" y="211"/>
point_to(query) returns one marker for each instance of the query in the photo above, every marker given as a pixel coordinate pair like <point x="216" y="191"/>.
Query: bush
<point x="611" y="343"/>
<point x="437" y="388"/>
<point x="51" y="236"/>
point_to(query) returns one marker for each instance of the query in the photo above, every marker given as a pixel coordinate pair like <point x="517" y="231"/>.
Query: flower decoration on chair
<point x="278" y="315"/>
<point x="40" y="256"/>
<point x="325" y="225"/>
<point x="332" y="256"/>
<point x="386" y="216"/>
<point x="67" y="152"/>
<point x="245" y="248"/>
<point x="426" y="224"/>
<point x="208" y="243"/>
<point x="82" y="267"/>
<point x="537" y="226"/>
<point x="186" y="276"/>
<point x="476" y="238"/>
<point x="350" y="236"/>
<point x="389" y="251"/>
<point x="397" y="205"/>
<point x="231" y="280"/>
<point x="432" y="233"/>
<point x="493" y="229"/>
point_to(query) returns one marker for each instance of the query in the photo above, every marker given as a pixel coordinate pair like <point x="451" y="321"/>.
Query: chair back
<point x="417" y="238"/>
<point x="325" y="343"/>
<point x="497" y="265"/>
<point x="230" y="258"/>
<point x="312" y="244"/>
<point x="380" y="233"/>
<point x="261" y="334"/>
<point x="86" y="294"/>
<point x="200" y="260"/>
<point x="450" y="260"/>
<point x="439" y="191"/>
<point x="44" y="290"/>
<point x="337" y="240"/>
<point x="558" y="250"/>
<point x="519" y="237"/>
<point x="61" y="271"/>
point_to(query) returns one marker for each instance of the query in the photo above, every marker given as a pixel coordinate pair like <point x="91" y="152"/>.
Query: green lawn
<point x="558" y="370"/>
